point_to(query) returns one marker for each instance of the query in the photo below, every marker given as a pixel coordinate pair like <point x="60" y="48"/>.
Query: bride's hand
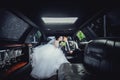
<point x="56" y="43"/>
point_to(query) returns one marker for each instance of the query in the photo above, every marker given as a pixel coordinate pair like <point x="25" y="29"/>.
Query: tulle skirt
<point x="46" y="61"/>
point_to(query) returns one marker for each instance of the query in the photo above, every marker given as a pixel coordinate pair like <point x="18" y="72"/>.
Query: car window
<point x="80" y="35"/>
<point x="34" y="37"/>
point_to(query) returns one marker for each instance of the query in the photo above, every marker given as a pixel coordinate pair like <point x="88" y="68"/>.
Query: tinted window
<point x="11" y="27"/>
<point x="34" y="37"/>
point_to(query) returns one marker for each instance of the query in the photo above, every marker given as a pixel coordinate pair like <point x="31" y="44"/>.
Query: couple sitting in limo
<point x="47" y="59"/>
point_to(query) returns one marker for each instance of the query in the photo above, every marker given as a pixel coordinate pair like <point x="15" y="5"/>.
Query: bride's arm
<point x="51" y="41"/>
<point x="56" y="43"/>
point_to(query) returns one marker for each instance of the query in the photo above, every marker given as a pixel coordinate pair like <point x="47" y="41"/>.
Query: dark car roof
<point x="35" y="9"/>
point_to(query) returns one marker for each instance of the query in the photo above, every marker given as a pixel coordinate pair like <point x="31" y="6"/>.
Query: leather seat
<point x="69" y="71"/>
<point x="102" y="57"/>
<point x="101" y="61"/>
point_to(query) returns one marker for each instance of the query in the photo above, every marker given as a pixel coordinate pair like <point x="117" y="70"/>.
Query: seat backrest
<point x="102" y="56"/>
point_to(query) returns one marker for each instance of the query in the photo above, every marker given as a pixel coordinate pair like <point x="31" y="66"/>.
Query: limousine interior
<point x="93" y="25"/>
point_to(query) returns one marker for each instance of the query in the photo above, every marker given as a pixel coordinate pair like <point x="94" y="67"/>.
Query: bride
<point x="47" y="59"/>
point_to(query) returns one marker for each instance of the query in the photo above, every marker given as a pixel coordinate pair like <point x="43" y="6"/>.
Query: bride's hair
<point x="56" y="37"/>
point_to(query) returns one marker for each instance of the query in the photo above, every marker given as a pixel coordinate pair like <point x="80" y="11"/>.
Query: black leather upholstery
<point x="69" y="71"/>
<point x="75" y="71"/>
<point x="101" y="62"/>
<point x="102" y="56"/>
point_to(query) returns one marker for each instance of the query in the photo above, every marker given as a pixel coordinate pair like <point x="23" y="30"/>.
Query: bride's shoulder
<point x="51" y="41"/>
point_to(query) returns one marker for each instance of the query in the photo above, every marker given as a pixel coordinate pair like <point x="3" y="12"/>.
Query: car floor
<point x="55" y="77"/>
<point x="83" y="74"/>
<point x="78" y="73"/>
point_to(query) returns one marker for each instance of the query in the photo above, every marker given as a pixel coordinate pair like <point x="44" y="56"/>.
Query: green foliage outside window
<point x="38" y="34"/>
<point x="80" y="35"/>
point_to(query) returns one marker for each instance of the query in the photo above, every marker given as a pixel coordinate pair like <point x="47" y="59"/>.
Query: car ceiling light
<point x="60" y="20"/>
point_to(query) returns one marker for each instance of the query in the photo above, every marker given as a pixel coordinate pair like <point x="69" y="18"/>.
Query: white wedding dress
<point x="47" y="60"/>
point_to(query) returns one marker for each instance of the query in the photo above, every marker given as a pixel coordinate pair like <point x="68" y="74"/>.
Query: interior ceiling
<point x="35" y="9"/>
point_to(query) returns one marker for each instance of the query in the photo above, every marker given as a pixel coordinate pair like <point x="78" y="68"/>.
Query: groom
<point x="65" y="46"/>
